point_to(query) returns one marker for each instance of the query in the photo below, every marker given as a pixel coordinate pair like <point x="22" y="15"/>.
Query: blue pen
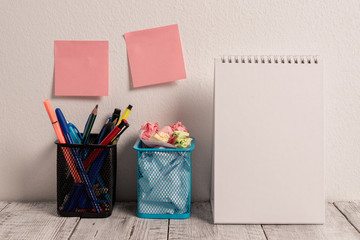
<point x="75" y="134"/>
<point x="108" y="127"/>
<point x="78" y="162"/>
<point x="94" y="171"/>
<point x="70" y="203"/>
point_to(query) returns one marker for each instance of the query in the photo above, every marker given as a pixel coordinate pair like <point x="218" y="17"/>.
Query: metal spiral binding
<point x="271" y="59"/>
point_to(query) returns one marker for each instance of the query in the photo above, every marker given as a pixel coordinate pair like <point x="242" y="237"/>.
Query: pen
<point x="108" y="127"/>
<point x="93" y="172"/>
<point x="113" y="133"/>
<point x="77" y="159"/>
<point x="91" y="158"/>
<point x="69" y="202"/>
<point x="119" y="134"/>
<point x="116" y="114"/>
<point x="98" y="139"/>
<point x="74" y="132"/>
<point x="61" y="139"/>
<point x="96" y="159"/>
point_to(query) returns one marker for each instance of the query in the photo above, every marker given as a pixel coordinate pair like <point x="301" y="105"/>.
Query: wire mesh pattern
<point x="72" y="197"/>
<point x="163" y="182"/>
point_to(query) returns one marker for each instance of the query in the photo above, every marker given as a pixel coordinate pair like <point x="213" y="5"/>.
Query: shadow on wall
<point x="195" y="110"/>
<point x="126" y="170"/>
<point x="37" y="180"/>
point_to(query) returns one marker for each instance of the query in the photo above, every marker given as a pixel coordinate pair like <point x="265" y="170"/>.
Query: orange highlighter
<point x="60" y="137"/>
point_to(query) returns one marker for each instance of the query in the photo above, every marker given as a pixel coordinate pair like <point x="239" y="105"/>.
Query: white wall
<point x="208" y="29"/>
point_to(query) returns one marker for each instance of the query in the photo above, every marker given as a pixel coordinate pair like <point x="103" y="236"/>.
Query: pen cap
<point x="122" y="123"/>
<point x="64" y="126"/>
<point x="116" y="113"/>
<point x="50" y="111"/>
<point x="74" y="132"/>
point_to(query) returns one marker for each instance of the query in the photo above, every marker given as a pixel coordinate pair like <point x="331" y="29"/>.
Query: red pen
<point x="91" y="158"/>
<point x="113" y="133"/>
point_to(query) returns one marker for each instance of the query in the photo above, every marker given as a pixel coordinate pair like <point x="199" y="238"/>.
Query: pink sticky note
<point x="155" y="55"/>
<point x="81" y="68"/>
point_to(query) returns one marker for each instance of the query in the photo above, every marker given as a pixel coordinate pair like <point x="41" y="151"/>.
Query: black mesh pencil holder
<point x="86" y="177"/>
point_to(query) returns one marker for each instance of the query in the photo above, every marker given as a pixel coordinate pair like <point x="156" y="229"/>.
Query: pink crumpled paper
<point x="157" y="144"/>
<point x="168" y="130"/>
<point x="178" y="127"/>
<point x="149" y="130"/>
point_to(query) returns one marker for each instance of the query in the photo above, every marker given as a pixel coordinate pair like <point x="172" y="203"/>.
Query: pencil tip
<point x="95" y="110"/>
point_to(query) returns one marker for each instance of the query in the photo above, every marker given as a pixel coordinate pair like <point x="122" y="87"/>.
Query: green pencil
<point x="89" y="125"/>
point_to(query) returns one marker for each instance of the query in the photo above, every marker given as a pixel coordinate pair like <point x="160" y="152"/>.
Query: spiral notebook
<point x="268" y="140"/>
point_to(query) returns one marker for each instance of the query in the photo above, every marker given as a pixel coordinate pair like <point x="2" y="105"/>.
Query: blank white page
<point x="268" y="142"/>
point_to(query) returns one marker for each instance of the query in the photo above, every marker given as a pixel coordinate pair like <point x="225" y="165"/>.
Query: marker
<point x="54" y="121"/>
<point x="125" y="114"/>
<point x="61" y="139"/>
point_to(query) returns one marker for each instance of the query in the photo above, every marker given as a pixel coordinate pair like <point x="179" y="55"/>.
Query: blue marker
<point x="65" y="129"/>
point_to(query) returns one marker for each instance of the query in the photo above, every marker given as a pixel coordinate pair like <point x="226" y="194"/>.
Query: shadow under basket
<point x="98" y="163"/>
<point x="163" y="182"/>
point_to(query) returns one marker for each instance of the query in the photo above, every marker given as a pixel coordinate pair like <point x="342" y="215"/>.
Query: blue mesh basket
<point x="163" y="182"/>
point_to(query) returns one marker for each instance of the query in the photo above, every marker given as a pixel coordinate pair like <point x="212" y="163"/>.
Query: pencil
<point x="89" y="125"/>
